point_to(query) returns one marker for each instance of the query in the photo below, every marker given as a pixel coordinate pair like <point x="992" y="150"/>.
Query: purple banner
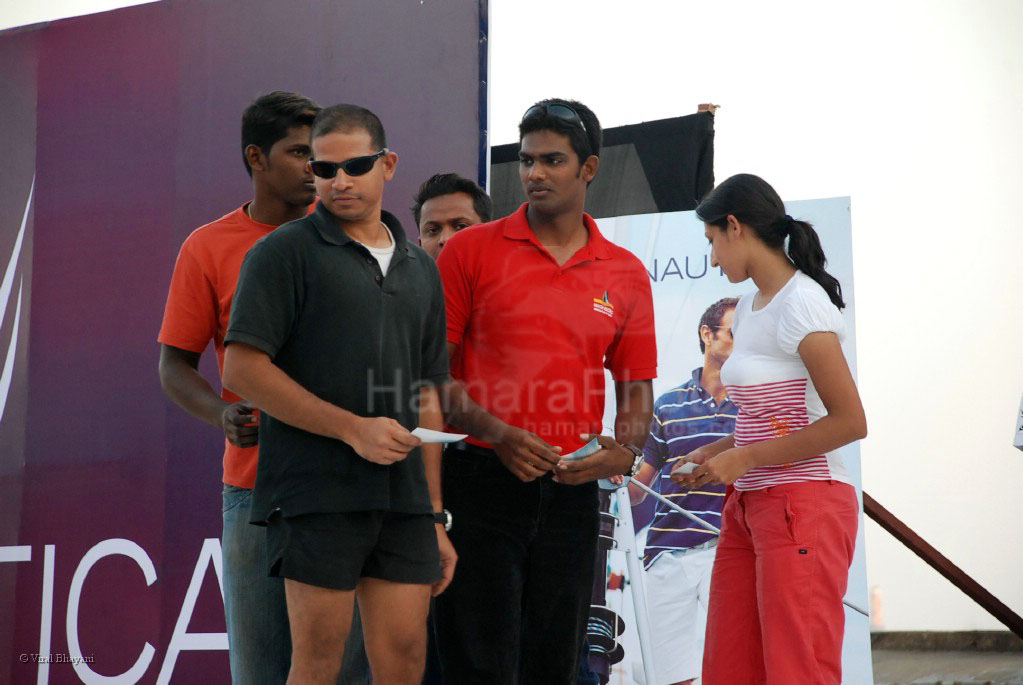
<point x="121" y="135"/>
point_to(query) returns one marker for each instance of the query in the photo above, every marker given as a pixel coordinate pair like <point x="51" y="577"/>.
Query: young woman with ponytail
<point x="789" y="523"/>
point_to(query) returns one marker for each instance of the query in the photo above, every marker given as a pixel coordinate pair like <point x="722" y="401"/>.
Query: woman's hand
<point x="726" y="468"/>
<point x="701" y="454"/>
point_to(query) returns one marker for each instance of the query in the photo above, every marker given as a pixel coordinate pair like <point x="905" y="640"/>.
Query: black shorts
<point x="335" y="550"/>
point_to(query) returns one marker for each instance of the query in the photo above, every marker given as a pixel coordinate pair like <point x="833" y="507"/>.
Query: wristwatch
<point x="637" y="463"/>
<point x="443" y="518"/>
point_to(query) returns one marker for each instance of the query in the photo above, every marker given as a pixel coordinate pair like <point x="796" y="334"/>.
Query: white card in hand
<point x="592" y="447"/>
<point x="427" y="435"/>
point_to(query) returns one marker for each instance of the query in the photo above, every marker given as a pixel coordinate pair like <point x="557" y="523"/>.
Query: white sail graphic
<point x="6" y="290"/>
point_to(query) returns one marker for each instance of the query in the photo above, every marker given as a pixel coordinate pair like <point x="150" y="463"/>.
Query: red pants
<point x="782" y="566"/>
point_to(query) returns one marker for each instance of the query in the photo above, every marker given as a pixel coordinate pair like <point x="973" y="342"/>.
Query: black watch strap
<point x="443" y="518"/>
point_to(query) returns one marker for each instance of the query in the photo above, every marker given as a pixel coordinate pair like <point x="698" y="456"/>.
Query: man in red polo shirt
<point x="538" y="305"/>
<point x="275" y="149"/>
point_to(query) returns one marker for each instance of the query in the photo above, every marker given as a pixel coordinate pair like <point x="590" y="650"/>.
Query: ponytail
<point x="752" y="201"/>
<point x="806" y="253"/>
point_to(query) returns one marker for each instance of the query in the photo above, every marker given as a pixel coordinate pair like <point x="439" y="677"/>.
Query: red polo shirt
<point x="533" y="337"/>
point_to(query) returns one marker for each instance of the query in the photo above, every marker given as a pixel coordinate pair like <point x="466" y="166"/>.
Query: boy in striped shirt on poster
<point x="789" y="526"/>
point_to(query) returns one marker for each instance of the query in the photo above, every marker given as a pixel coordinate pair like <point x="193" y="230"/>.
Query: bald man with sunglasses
<point x="337" y="336"/>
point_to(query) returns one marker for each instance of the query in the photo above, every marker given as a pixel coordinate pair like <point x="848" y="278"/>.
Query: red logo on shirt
<point x="603" y="305"/>
<point x="780" y="427"/>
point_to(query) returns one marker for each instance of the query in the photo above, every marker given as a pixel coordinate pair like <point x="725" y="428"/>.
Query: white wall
<point x="21" y="13"/>
<point x="913" y="108"/>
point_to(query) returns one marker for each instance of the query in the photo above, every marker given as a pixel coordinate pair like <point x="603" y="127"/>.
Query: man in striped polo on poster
<point x="679" y="554"/>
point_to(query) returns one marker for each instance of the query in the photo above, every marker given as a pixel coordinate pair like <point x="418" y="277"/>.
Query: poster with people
<point x="694" y="305"/>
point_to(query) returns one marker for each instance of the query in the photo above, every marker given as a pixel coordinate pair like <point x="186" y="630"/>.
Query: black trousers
<point x="517" y="608"/>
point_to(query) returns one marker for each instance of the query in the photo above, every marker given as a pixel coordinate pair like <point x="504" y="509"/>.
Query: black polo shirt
<point x="317" y="303"/>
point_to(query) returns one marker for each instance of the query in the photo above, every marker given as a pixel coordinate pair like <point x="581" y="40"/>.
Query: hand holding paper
<point x="592" y="447"/>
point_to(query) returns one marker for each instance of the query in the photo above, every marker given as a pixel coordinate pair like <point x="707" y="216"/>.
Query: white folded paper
<point x="592" y="447"/>
<point x="427" y="435"/>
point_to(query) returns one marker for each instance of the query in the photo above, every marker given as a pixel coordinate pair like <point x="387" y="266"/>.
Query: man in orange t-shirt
<point x="276" y="151"/>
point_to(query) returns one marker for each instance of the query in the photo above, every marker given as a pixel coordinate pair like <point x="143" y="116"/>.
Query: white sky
<point x="915" y="109"/>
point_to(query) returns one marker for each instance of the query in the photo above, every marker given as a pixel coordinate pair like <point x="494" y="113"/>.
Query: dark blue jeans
<point x="516" y="610"/>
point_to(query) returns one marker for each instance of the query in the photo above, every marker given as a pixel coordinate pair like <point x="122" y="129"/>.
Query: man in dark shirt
<point x="337" y="335"/>
<point x="444" y="205"/>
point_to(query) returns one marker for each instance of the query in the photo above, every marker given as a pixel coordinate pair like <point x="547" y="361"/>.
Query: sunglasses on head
<point x="563" y="112"/>
<point x="356" y="166"/>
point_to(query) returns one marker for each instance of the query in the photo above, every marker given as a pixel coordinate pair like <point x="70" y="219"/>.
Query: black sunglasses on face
<point x="563" y="112"/>
<point x="356" y="166"/>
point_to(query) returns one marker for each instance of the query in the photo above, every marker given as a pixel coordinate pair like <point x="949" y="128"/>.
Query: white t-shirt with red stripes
<point x="765" y="377"/>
